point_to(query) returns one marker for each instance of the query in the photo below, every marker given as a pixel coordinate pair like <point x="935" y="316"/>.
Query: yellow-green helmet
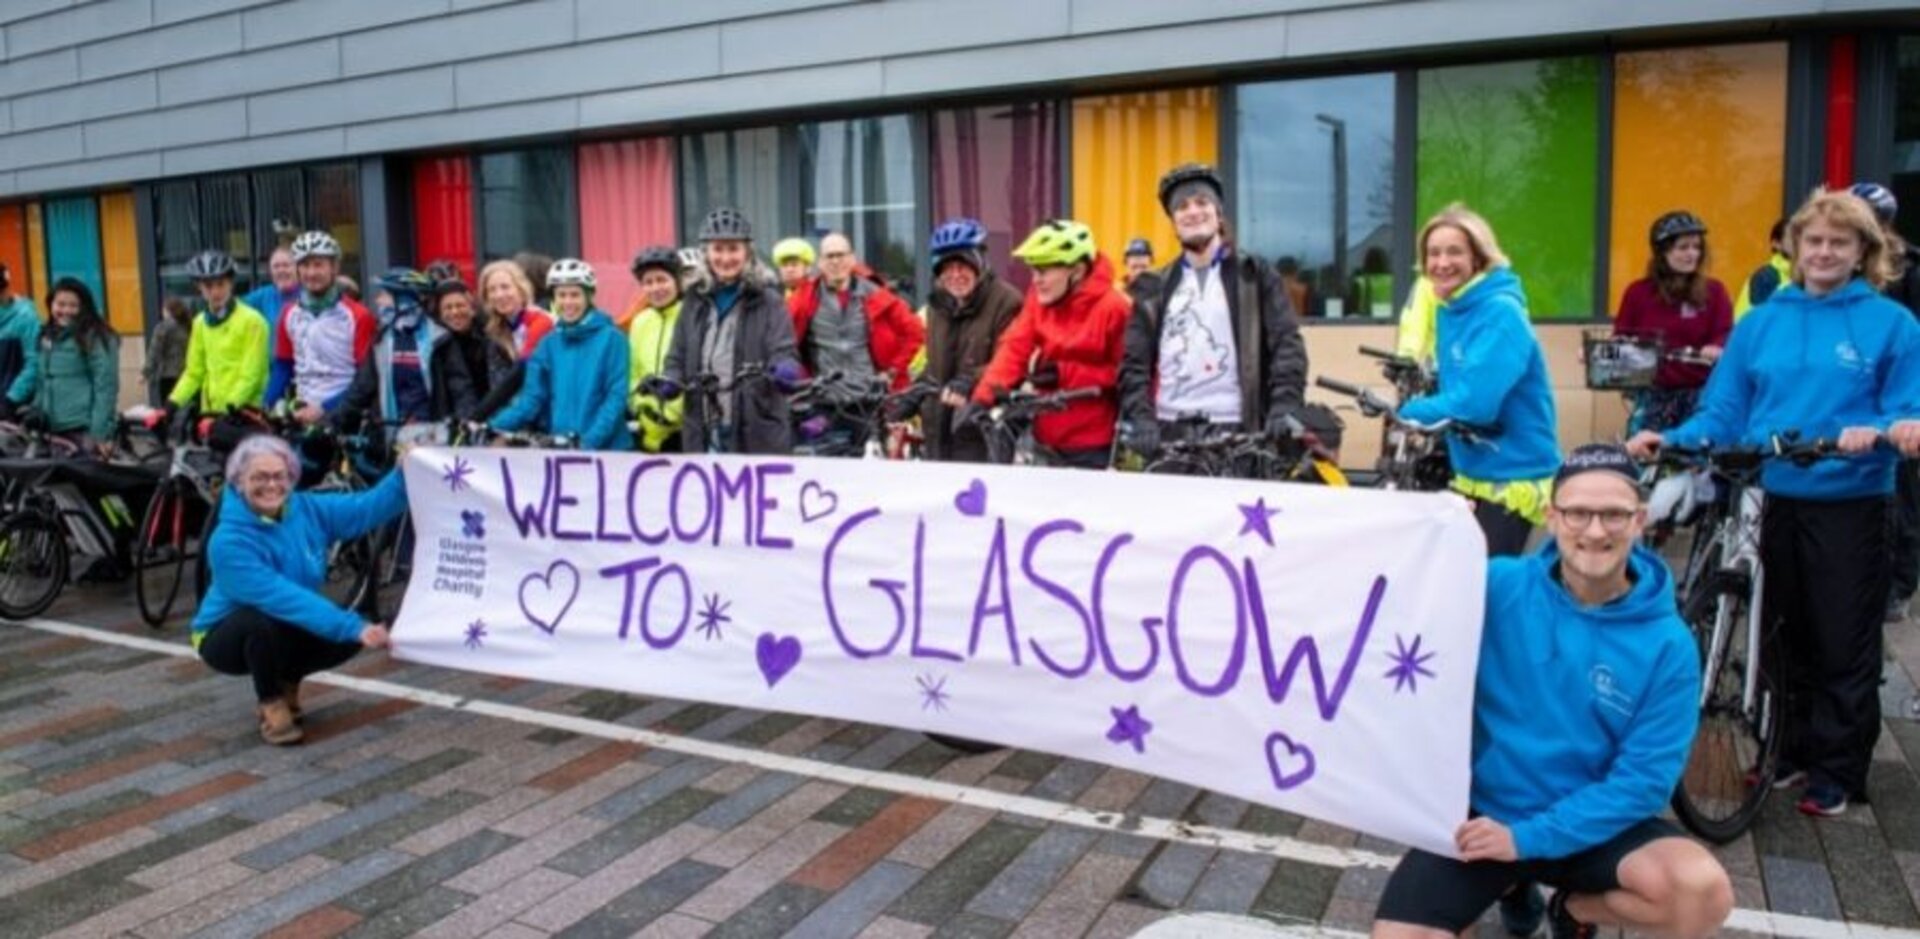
<point x="1057" y="243"/>
<point x="793" y="249"/>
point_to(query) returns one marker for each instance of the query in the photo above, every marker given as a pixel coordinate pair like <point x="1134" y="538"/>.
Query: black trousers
<point x="1506" y="532"/>
<point x="277" y="655"/>
<point x="1827" y="572"/>
<point x="1906" y="529"/>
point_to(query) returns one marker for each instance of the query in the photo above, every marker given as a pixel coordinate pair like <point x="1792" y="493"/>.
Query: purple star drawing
<point x="1130" y="727"/>
<point x="713" y="615"/>
<point x="933" y="693"/>
<point x="455" y="476"/>
<point x="1257" y="517"/>
<point x="476" y="633"/>
<point x="1409" y="663"/>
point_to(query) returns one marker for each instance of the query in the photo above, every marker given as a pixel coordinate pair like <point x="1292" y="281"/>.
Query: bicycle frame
<point x="1737" y="541"/>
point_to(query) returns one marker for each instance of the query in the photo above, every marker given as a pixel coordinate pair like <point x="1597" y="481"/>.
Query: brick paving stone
<point x="944" y="892"/>
<point x="37" y="874"/>
<point x="1122" y="920"/>
<point x="1320" y="832"/>
<point x="849" y="909"/>
<point x="334" y="725"/>
<point x="539" y="816"/>
<point x="425" y="872"/>
<point x="164" y="775"/>
<point x="747" y="880"/>
<point x="412" y="915"/>
<point x="77" y="720"/>
<point x="1799" y="887"/>
<point x="383" y="834"/>
<point x="611" y="880"/>
<point x="1896" y="803"/>
<point x="729" y="778"/>
<point x="185" y="865"/>
<point x="1074" y="904"/>
<point x="886" y="927"/>
<point x="1350" y="914"/>
<point x="1909" y="873"/>
<point x="1021" y="884"/>
<point x="770" y="914"/>
<point x="403" y="778"/>
<point x="632" y="833"/>
<point x="1866" y="877"/>
<point x="924" y="760"/>
<point x="1361" y="883"/>
<point x="757" y="832"/>
<point x="1780" y="831"/>
<point x="586" y="766"/>
<point x="320" y="890"/>
<point x="638" y="796"/>
<point x="1171" y="870"/>
<point x="646" y="902"/>
<point x="319" y="923"/>
<point x="675" y="926"/>
<point x="1028" y="765"/>
<point x="1231" y="884"/>
<point x="275" y="800"/>
<point x="1296" y="890"/>
<point x="478" y="818"/>
<point x="856" y="806"/>
<point x="30" y="698"/>
<point x="970" y="769"/>
<point x="1115" y="790"/>
<point x="767" y="729"/>
<point x="886" y="750"/>
<point x="518" y="860"/>
<point x="501" y="766"/>
<point x="205" y="882"/>
<point x="1067" y="780"/>
<point x="314" y="837"/>
<point x="490" y="908"/>
<point x="805" y="737"/>
<point x="247" y="894"/>
<point x="731" y="721"/>
<point x="691" y="716"/>
<point x="743" y="801"/>
<point x="966" y="925"/>
<point x="600" y="705"/>
<point x="147" y="811"/>
<point x="858" y="849"/>
<point x="100" y="886"/>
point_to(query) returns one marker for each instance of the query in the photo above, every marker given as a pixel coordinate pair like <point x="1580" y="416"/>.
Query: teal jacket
<point x="19" y="350"/>
<point x="1818" y="366"/>
<point x="276" y="566"/>
<point x="78" y="390"/>
<point x="1582" y="716"/>
<point x="576" y="384"/>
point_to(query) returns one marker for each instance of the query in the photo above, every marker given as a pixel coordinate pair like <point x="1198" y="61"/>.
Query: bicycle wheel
<point x="33" y="564"/>
<point x="1730" y="768"/>
<point x="351" y="572"/>
<point x="160" y="555"/>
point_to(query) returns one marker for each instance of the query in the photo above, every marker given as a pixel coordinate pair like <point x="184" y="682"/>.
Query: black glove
<point x="1142" y="437"/>
<point x="33" y="419"/>
<point x="1045" y="375"/>
<point x="662" y="387"/>
<point x="1279" y="427"/>
<point x="968" y="416"/>
<point x="180" y="421"/>
<point x="961" y="387"/>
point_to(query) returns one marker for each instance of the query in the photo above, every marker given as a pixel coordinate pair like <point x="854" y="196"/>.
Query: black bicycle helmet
<point x="664" y="257"/>
<point x="1675" y="224"/>
<point x="1185" y="173"/>
<point x="726" y="224"/>
<point x="210" y="265"/>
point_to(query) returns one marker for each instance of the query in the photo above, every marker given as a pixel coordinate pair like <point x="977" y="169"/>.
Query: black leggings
<point x="1506" y="532"/>
<point x="278" y="655"/>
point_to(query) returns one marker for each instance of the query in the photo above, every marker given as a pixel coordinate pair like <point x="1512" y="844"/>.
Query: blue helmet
<point x="1884" y="205"/>
<point x="959" y="234"/>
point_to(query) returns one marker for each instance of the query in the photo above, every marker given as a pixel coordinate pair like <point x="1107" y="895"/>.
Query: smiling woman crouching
<point x="263" y="615"/>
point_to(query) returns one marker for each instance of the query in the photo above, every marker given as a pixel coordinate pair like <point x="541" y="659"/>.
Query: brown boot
<point x="276" y="724"/>
<point x="293" y="703"/>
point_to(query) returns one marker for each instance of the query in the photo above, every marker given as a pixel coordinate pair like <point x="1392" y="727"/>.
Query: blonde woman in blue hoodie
<point x="1829" y="357"/>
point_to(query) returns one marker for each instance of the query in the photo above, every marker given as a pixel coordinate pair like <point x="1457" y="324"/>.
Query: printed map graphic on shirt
<point x="1194" y="355"/>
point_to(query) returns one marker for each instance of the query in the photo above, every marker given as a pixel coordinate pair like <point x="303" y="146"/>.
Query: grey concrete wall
<point x="110" y="91"/>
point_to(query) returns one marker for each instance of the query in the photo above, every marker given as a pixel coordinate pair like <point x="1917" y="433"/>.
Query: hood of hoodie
<point x="585" y="327"/>
<point x="1641" y="607"/>
<point x="1097" y="284"/>
<point x="1485" y="286"/>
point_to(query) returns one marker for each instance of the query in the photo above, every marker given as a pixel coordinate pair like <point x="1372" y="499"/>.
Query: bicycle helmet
<point x="1139" y="247"/>
<point x="210" y="265"/>
<point x="315" y="244"/>
<point x="663" y="257"/>
<point x="958" y="234"/>
<point x="1057" y="243"/>
<point x="1181" y="180"/>
<point x="1673" y="225"/>
<point x="570" y="272"/>
<point x="405" y="280"/>
<point x="726" y="224"/>
<point x="1880" y="198"/>
<point x="793" y="249"/>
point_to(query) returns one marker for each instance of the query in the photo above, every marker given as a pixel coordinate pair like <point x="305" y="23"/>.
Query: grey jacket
<point x="764" y="337"/>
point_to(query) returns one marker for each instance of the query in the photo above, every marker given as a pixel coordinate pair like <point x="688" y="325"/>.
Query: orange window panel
<point x="120" y="256"/>
<point x="13" y="248"/>
<point x="1122" y="144"/>
<point x="1702" y="129"/>
<point x="36" y="250"/>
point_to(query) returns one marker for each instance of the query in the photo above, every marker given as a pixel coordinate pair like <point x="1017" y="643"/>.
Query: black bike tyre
<point x="36" y="535"/>
<point x="158" y="575"/>
<point x="1692" y="811"/>
<point x="964" y="745"/>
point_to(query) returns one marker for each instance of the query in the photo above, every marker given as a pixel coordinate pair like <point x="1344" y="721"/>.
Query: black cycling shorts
<point x="1451" y="894"/>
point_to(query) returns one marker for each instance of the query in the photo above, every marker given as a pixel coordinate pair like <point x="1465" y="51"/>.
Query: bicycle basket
<point x="1618" y="362"/>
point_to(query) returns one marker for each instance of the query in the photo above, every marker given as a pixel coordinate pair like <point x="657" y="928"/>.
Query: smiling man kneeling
<point x="1584" y="711"/>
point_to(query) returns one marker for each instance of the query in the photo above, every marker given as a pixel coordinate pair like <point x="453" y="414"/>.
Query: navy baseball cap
<point x="1599" y="458"/>
<point x="1138" y="246"/>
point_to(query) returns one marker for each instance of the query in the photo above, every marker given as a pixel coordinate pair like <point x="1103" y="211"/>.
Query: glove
<point x="662" y="387"/>
<point x="969" y="416"/>
<point x="1142" y="437"/>
<point x="813" y="427"/>
<point x="1045" y="375"/>
<point x="1278" y="426"/>
<point x="961" y="387"/>
<point x="34" y="419"/>
<point x="786" y="376"/>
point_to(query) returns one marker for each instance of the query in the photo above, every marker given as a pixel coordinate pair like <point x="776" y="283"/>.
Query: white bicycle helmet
<point x="315" y="244"/>
<point x="570" y="272"/>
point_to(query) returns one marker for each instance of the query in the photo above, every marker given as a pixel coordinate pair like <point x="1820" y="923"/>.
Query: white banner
<point x="1306" y="648"/>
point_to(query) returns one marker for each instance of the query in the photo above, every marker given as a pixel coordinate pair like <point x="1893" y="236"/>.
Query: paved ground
<point x="137" y="800"/>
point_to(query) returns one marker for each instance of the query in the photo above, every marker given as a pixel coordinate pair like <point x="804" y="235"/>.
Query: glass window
<point x="1122" y="144"/>
<point x="859" y="178"/>
<point x="526" y="203"/>
<point x="1906" y="135"/>
<point x="1703" y="130"/>
<point x="1313" y="189"/>
<point x="279" y="213"/>
<point x="738" y="168"/>
<point x="73" y="243"/>
<point x="226" y="221"/>
<point x="125" y="302"/>
<point x="443" y="212"/>
<point x="1519" y="142"/>
<point x="333" y="204"/>
<point x="176" y="236"/>
<point x="626" y="203"/>
<point x="999" y="164"/>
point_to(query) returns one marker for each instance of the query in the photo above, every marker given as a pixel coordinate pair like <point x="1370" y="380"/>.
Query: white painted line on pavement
<point x="1164" y="829"/>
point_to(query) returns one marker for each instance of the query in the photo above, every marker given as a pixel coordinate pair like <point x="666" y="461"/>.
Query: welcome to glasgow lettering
<point x="1300" y="647"/>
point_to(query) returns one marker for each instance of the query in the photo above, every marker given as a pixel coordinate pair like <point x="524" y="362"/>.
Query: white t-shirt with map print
<point x="1197" y="361"/>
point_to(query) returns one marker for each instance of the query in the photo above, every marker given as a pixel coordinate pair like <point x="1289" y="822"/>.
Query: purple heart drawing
<point x="972" y="501"/>
<point x="546" y="598"/>
<point x="1291" y="763"/>
<point x="777" y="656"/>
<point x="817" y="501"/>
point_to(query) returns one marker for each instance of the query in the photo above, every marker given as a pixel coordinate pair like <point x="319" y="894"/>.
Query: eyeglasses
<point x="1613" y="520"/>
<point x="262" y="479"/>
<point x="836" y="255"/>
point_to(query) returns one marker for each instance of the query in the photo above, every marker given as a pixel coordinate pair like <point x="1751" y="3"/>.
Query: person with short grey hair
<point x="263" y="615"/>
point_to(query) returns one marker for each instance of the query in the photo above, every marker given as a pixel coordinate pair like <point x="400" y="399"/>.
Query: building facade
<point x="135" y="133"/>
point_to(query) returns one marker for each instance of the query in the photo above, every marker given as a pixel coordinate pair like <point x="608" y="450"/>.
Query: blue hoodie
<point x="1816" y="365"/>
<point x="576" y="384"/>
<point x="1492" y="374"/>
<point x="1582" y="717"/>
<point x="277" y="566"/>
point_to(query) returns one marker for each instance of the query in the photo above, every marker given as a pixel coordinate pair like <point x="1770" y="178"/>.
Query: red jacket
<point x="1083" y="335"/>
<point x="894" y="334"/>
<point x="1643" y="312"/>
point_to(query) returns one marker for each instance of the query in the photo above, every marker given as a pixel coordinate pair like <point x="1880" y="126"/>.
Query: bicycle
<point x="1408" y="463"/>
<point x="1008" y="425"/>
<point x="1203" y="448"/>
<point x="175" y="528"/>
<point x="894" y="432"/>
<point x="60" y="506"/>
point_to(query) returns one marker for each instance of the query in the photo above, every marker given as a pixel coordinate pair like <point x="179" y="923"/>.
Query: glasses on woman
<point x="267" y="479"/>
<point x="1613" y="520"/>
